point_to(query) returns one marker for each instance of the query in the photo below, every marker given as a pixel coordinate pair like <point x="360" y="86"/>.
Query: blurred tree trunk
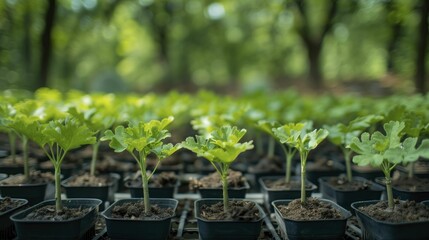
<point x="46" y="43"/>
<point x="27" y="54"/>
<point x="396" y="25"/>
<point x="312" y="42"/>
<point x="420" y="76"/>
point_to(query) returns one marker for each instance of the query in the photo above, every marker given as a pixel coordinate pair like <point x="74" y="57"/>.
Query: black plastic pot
<point x="254" y="179"/>
<point x="313" y="174"/>
<point x="312" y="229"/>
<point x="7" y="230"/>
<point x="34" y="193"/>
<point x="12" y="169"/>
<point x="139" y="228"/>
<point x="379" y="230"/>
<point x="345" y="198"/>
<point x="154" y="192"/>
<point x="78" y="228"/>
<point x="270" y="195"/>
<point x="417" y="196"/>
<point x="216" y="229"/>
<point x="3" y="176"/>
<point x="104" y="193"/>
<point x="366" y="172"/>
<point x="217" y="192"/>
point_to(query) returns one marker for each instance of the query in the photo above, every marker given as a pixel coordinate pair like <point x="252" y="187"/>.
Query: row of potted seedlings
<point x="219" y="143"/>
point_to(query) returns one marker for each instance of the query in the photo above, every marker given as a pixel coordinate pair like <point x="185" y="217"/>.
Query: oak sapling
<point x="387" y="151"/>
<point x="221" y="147"/>
<point x="298" y="136"/>
<point x="141" y="139"/>
<point x="57" y="138"/>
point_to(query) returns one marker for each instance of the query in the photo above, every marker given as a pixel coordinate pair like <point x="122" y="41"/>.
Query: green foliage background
<point x="124" y="45"/>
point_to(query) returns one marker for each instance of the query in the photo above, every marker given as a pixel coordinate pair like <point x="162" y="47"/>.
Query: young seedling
<point x="341" y="135"/>
<point x="98" y="121"/>
<point x="289" y="151"/>
<point x="7" y="111"/>
<point x="221" y="147"/>
<point x="387" y="151"/>
<point x="57" y="138"/>
<point x="140" y="140"/>
<point x="298" y="136"/>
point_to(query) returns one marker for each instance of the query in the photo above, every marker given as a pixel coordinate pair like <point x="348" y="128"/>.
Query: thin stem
<point x="12" y="142"/>
<point x="289" y="153"/>
<point x="224" y="177"/>
<point x="145" y="183"/>
<point x="389" y="190"/>
<point x="303" y="156"/>
<point x="411" y="170"/>
<point x="95" y="147"/>
<point x="271" y="147"/>
<point x="58" y="203"/>
<point x="347" y="159"/>
<point x="154" y="169"/>
<point x="25" y="156"/>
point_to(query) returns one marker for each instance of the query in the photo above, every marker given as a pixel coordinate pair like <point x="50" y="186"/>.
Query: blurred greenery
<point x="245" y="45"/>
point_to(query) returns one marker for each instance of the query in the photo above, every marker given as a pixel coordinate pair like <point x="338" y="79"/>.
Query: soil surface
<point x="48" y="213"/>
<point x="280" y="184"/>
<point x="136" y="210"/>
<point x="322" y="164"/>
<point x="35" y="178"/>
<point x="266" y="164"/>
<point x="312" y="209"/>
<point x="404" y="211"/>
<point x="235" y="180"/>
<point x="163" y="179"/>
<point x="239" y="210"/>
<point x="412" y="184"/>
<point x="87" y="180"/>
<point x="7" y="204"/>
<point x="19" y="161"/>
<point x="341" y="183"/>
<point x="109" y="164"/>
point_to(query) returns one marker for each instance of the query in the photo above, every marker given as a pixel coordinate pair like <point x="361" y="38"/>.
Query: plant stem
<point x="145" y="184"/>
<point x="347" y="159"/>
<point x="271" y="147"/>
<point x="95" y="147"/>
<point x="25" y="158"/>
<point x="389" y="191"/>
<point x="303" y="156"/>
<point x="58" y="203"/>
<point x="224" y="177"/>
<point x="12" y="142"/>
<point x="288" y="167"/>
<point x="411" y="170"/>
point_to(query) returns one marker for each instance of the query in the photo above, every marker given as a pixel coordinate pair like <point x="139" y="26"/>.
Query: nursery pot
<point x="270" y="195"/>
<point x="312" y="229"/>
<point x="345" y="198"/>
<point x="239" y="192"/>
<point x="154" y="192"/>
<point x="417" y="196"/>
<point x="6" y="225"/>
<point x="313" y="174"/>
<point x="77" y="228"/>
<point x="226" y="229"/>
<point x="34" y="193"/>
<point x="118" y="228"/>
<point x="377" y="230"/>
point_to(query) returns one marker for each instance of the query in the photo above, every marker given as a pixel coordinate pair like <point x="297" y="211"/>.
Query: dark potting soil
<point x="404" y="211"/>
<point x="238" y="211"/>
<point x="235" y="180"/>
<point x="341" y="183"/>
<point x="18" y="162"/>
<point x="109" y="164"/>
<point x="88" y="180"/>
<point x="280" y="184"/>
<point x="7" y="204"/>
<point x="136" y="210"/>
<point x="163" y="179"/>
<point x="266" y="164"/>
<point x="321" y="164"/>
<point x="48" y="213"/>
<point x="312" y="209"/>
<point x="35" y="178"/>
<point x="412" y="184"/>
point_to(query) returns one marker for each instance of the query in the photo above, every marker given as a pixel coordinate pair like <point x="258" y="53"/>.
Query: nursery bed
<point x="184" y="225"/>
